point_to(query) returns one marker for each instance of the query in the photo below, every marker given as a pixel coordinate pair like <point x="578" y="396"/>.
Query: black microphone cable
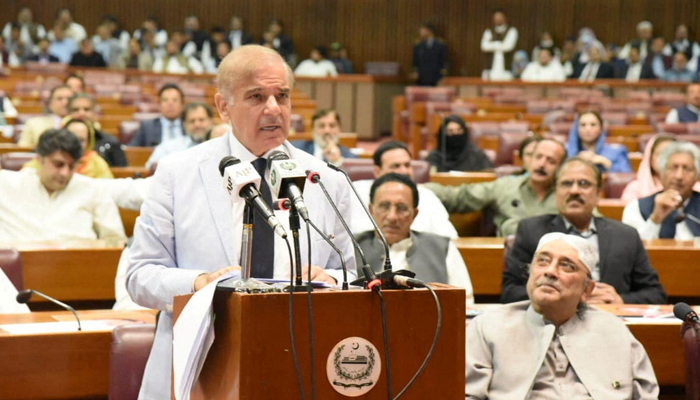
<point x="374" y="284"/>
<point x="291" y="320"/>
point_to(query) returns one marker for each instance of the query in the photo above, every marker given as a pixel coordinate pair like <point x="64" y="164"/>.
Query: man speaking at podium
<point x="190" y="228"/>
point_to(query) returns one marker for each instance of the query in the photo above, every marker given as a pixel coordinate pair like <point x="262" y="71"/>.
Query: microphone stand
<point x="247" y="241"/>
<point x="295" y="225"/>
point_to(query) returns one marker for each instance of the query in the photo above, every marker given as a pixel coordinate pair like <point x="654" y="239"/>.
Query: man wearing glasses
<point x="623" y="274"/>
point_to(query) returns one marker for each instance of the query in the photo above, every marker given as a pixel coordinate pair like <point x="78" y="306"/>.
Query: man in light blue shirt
<point x="62" y="47"/>
<point x="679" y="72"/>
<point x="198" y="119"/>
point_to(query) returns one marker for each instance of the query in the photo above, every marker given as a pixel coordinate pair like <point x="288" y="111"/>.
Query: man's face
<point x="197" y="123"/>
<point x="657" y="45"/>
<point x="594" y="54"/>
<point x="634" y="55"/>
<point x="82" y="108"/>
<point x="192" y="23"/>
<point x="644" y="33"/>
<point x="171" y="104"/>
<point x="75" y="84"/>
<point x="679" y="61"/>
<point x="393" y="210"/>
<point x="86" y="47"/>
<point x="547" y="157"/>
<point x="395" y="160"/>
<point x="315" y="55"/>
<point x="43" y="45"/>
<point x="55" y="170"/>
<point x="327" y="126"/>
<point x="693" y="95"/>
<point x="499" y="18"/>
<point x="680" y="174"/>
<point x="59" y="33"/>
<point x="544" y="57"/>
<point x="528" y="152"/>
<point x="259" y="108"/>
<point x="24" y="16"/>
<point x="222" y="49"/>
<point x="58" y="104"/>
<point x="681" y="32"/>
<point x="576" y="192"/>
<point x="236" y="24"/>
<point x="172" y="48"/>
<point x="558" y="278"/>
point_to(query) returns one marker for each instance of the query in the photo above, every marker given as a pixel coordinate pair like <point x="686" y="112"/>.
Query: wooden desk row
<point x="675" y="261"/>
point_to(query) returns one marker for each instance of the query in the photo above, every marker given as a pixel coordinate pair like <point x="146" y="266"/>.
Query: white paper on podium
<point x="193" y="335"/>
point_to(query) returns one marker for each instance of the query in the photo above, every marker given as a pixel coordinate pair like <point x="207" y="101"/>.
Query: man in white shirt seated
<point x="434" y="258"/>
<point x="393" y="156"/>
<point x="197" y="119"/>
<point x="546" y="69"/>
<point x="689" y="112"/>
<point x="326" y="135"/>
<point x="317" y="66"/>
<point x="176" y="62"/>
<point x="53" y="203"/>
<point x="673" y="213"/>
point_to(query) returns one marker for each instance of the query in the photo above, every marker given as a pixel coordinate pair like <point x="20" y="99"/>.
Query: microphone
<point x="683" y="312"/>
<point x="243" y="179"/>
<point x="24" y="295"/>
<point x="410" y="282"/>
<point x="287" y="179"/>
<point x="387" y="255"/>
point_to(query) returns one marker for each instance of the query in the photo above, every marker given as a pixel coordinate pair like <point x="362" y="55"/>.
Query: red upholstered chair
<point x="15" y="160"/>
<point x="616" y="183"/>
<point x="615" y="118"/>
<point x="538" y="106"/>
<point x="423" y="93"/>
<point x="508" y="142"/>
<point x="515" y="126"/>
<point x="678" y="129"/>
<point x="127" y="130"/>
<point x="637" y="109"/>
<point x="693" y="128"/>
<point x="11" y="265"/>
<point x="691" y="344"/>
<point x="695" y="139"/>
<point x="131" y="345"/>
<point x="560" y="128"/>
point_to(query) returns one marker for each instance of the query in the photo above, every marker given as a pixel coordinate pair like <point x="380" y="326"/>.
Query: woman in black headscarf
<point x="454" y="152"/>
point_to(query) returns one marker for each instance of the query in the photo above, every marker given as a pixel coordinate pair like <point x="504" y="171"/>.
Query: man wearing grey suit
<point x="152" y="132"/>
<point x="623" y="275"/>
<point x="189" y="232"/>
<point x="554" y="345"/>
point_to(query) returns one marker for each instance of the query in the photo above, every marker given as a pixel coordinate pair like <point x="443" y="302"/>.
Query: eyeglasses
<point x="401" y="208"/>
<point x="582" y="184"/>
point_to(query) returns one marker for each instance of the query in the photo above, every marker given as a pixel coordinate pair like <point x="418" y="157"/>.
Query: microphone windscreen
<point x="227" y="162"/>
<point x="681" y="310"/>
<point x="24" y="295"/>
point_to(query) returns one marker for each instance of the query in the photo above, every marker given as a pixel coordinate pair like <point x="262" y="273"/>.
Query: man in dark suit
<point x="237" y="36"/>
<point x="326" y="132"/>
<point x="623" y="275"/>
<point x="656" y="60"/>
<point x="595" y="68"/>
<point x="166" y="127"/>
<point x="87" y="56"/>
<point x="82" y="106"/>
<point x="634" y="69"/>
<point x="43" y="55"/>
<point x="429" y="57"/>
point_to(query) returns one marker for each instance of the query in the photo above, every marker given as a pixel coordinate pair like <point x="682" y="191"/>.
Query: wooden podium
<point x="251" y="357"/>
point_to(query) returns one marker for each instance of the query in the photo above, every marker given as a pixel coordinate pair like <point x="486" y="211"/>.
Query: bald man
<point x="189" y="232"/>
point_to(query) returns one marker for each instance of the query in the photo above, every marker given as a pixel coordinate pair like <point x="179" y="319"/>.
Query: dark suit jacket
<point x="308" y="146"/>
<point x="149" y="134"/>
<point x="35" y="57"/>
<point x="667" y="60"/>
<point x="246" y="38"/>
<point x="605" y="71"/>
<point x="430" y="62"/>
<point x="646" y="72"/>
<point x="109" y="148"/>
<point x="623" y="260"/>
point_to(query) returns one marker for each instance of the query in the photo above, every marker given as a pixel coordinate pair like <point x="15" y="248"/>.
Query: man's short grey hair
<point x="645" y="25"/>
<point x="587" y="253"/>
<point x="680" y="147"/>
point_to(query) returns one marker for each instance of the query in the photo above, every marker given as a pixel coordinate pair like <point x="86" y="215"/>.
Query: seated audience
<point x="281" y="41"/>
<point x="555" y="345"/>
<point x="679" y="72"/>
<point x="7" y="109"/>
<point x="87" y="57"/>
<point x="317" y="65"/>
<point x="54" y="203"/>
<point x="595" y="68"/>
<point x="545" y="69"/>
<point x="106" y="45"/>
<point x="683" y="44"/>
<point x="72" y="29"/>
<point x="151" y="26"/>
<point x="43" y="56"/>
<point x="394" y="205"/>
<point x="221" y="50"/>
<point x="195" y="34"/>
<point x="586" y="40"/>
<point x="90" y="163"/>
<point x="634" y="69"/>
<point x="656" y="60"/>
<point x="454" y="151"/>
<point x="176" y="62"/>
<point x="197" y="120"/>
<point x="8" y="296"/>
<point x="135" y="58"/>
<point x="689" y="112"/>
<point x="326" y="129"/>
<point x="339" y="57"/>
<point x="62" y="47"/>
<point x="237" y="36"/>
<point x="58" y="108"/>
<point x="393" y="156"/>
<point x="429" y="57"/>
<point x="569" y="57"/>
<point x="18" y="51"/>
<point x="511" y="198"/>
<point x="624" y="274"/>
<point x="115" y="30"/>
<point x="82" y="106"/>
<point x="645" y="31"/>
<point x="587" y="140"/>
<point x="30" y="31"/>
<point x="673" y="212"/>
<point x="171" y="102"/>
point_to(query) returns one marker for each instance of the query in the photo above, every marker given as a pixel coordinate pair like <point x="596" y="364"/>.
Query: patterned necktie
<point x="262" y="264"/>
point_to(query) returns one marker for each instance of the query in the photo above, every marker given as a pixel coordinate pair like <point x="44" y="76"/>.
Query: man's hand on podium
<point x="203" y="279"/>
<point x="317" y="274"/>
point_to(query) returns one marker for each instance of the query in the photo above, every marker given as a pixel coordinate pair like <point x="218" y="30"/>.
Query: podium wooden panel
<point x="251" y="356"/>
